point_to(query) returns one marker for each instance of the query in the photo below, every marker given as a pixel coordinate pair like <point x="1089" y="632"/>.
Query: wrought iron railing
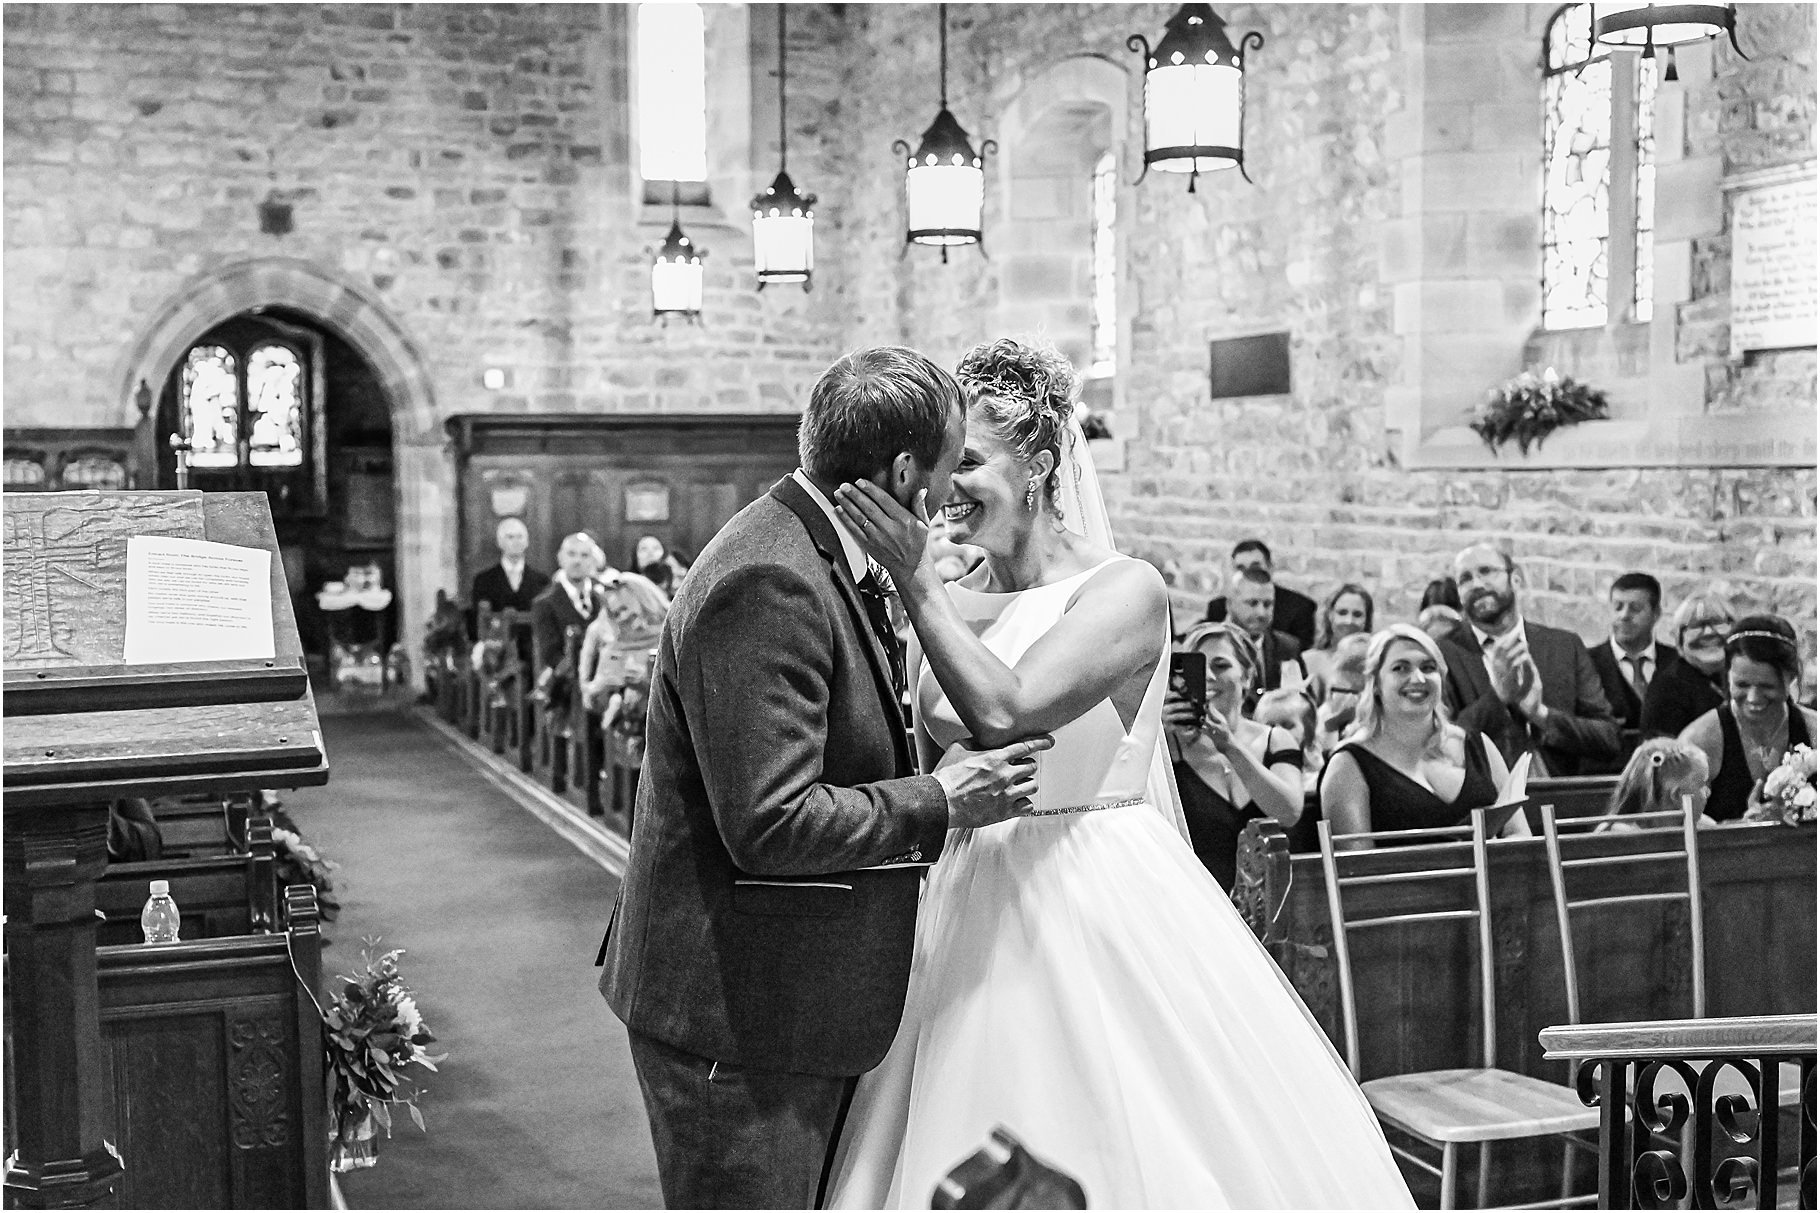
<point x="1692" y="1107"/>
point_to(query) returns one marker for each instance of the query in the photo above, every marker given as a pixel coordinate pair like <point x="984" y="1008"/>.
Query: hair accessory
<point x="1777" y="636"/>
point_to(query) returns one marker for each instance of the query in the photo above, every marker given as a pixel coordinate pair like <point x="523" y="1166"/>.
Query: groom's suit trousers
<point x="732" y="1137"/>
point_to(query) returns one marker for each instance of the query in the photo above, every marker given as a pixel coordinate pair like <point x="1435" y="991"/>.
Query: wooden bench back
<point x="216" y="895"/>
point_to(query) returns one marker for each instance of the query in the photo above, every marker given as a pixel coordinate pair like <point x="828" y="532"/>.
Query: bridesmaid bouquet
<point x="1789" y="789"/>
<point x="373" y="1030"/>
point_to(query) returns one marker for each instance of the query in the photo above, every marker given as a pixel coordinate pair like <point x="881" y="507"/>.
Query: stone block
<point x="1471" y="181"/>
<point x="1689" y="202"/>
<point x="1464" y="306"/>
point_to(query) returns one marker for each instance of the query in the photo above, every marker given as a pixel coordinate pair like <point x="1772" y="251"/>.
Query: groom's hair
<point x="870" y="405"/>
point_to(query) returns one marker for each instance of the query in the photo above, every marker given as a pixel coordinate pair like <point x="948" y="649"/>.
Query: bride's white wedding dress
<point x="1080" y="979"/>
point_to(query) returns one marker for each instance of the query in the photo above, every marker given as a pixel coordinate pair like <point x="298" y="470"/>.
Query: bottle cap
<point x="161" y="888"/>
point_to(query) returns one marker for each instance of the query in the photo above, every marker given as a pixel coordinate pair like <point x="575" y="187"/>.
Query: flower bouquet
<point x="1530" y="407"/>
<point x="1788" y="791"/>
<point x="299" y="863"/>
<point x="372" y="1031"/>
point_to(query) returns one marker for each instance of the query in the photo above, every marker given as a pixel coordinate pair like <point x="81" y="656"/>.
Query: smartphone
<point x="1188" y="678"/>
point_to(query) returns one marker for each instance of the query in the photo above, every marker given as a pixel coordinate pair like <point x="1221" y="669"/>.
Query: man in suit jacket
<point x="760" y="948"/>
<point x="1526" y="686"/>
<point x="511" y="584"/>
<point x="1252" y="602"/>
<point x="1290" y="611"/>
<point x="571" y="599"/>
<point x="1628" y="661"/>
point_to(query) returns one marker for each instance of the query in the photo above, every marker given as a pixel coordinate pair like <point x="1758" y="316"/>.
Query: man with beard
<point x="1528" y="687"/>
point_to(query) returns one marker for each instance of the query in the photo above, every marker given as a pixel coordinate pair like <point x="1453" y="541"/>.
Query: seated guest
<point x="1745" y="738"/>
<point x="1229" y="769"/>
<point x="1440" y="592"/>
<point x="509" y="584"/>
<point x="1291" y="712"/>
<point x="1658" y="777"/>
<point x="1404" y="765"/>
<point x="1347" y="612"/>
<point x="1631" y="656"/>
<point x="655" y="561"/>
<point x="1441" y="622"/>
<point x="570" y="600"/>
<point x="1528" y="687"/>
<point x="1690" y="685"/>
<point x="617" y="648"/>
<point x="1278" y="653"/>
<point x="1339" y="705"/>
<point x="1291" y="612"/>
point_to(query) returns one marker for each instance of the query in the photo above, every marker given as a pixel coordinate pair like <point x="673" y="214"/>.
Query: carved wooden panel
<point x="65" y="576"/>
<point x="170" y="1106"/>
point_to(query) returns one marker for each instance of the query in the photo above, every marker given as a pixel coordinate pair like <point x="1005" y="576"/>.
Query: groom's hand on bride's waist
<point x="992" y="785"/>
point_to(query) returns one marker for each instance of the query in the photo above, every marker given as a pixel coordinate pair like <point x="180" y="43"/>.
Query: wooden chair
<point x="1585" y="851"/>
<point x="1444" y="1108"/>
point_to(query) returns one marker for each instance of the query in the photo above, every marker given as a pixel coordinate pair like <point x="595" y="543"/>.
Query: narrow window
<point x="1105" y="269"/>
<point x="274" y="388"/>
<point x="211" y="401"/>
<point x="672" y="93"/>
<point x="1598" y="191"/>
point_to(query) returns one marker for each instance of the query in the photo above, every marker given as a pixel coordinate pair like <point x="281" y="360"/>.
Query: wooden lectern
<point x="82" y="729"/>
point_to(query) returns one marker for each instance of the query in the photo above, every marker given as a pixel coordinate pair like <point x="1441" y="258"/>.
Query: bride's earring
<point x="1030" y="496"/>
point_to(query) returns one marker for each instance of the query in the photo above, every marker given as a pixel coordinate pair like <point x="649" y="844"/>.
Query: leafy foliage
<point x="372" y="1030"/>
<point x="1530" y="407"/>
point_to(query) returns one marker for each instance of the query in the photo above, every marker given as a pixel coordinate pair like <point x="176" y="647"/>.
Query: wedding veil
<point x="1084" y="511"/>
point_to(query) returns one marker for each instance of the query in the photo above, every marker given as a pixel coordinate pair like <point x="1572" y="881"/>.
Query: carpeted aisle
<point x="537" y="1106"/>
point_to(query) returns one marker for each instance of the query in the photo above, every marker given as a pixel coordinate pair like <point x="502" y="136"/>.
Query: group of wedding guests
<point x="618" y="615"/>
<point x="1385" y="728"/>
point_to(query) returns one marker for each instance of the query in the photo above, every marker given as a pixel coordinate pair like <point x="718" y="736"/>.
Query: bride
<point x="1078" y="977"/>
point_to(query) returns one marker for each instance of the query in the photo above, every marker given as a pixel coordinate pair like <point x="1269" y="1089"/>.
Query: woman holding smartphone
<point x="1229" y="769"/>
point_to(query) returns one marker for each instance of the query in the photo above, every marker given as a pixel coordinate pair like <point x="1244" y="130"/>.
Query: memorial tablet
<point x="66" y="596"/>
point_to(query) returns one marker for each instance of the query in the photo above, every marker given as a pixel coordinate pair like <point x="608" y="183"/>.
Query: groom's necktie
<point x="873" y="591"/>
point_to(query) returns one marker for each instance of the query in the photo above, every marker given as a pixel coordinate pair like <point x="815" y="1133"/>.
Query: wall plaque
<point x="1773" y="282"/>
<point x="647" y="502"/>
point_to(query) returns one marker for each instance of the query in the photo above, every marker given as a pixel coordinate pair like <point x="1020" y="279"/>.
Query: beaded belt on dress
<point x="1088" y="808"/>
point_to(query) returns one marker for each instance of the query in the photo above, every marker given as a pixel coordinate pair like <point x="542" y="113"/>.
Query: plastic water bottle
<point x="159" y="919"/>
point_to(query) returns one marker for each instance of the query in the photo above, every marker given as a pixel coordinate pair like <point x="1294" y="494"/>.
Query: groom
<point x="761" y="944"/>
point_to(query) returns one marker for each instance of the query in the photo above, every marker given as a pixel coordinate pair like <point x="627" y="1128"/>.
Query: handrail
<point x="1689" y="1039"/>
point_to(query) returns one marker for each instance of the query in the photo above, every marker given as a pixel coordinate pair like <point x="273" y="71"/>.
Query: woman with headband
<point x="1745" y="737"/>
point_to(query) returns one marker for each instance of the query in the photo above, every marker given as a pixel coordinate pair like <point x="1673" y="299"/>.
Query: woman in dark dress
<point x="1691" y="684"/>
<point x="1404" y="765"/>
<point x="1229" y="769"/>
<point x="1745" y="738"/>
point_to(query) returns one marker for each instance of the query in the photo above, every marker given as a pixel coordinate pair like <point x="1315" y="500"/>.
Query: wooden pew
<point x="213" y="1056"/>
<point x="500" y="711"/>
<point x="216" y="895"/>
<point x="1416" y="990"/>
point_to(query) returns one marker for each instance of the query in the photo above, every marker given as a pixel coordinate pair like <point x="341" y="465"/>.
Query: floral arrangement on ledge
<point x="373" y="1030"/>
<point x="1530" y="407"/>
<point x="1788" y="790"/>
<point x="299" y="863"/>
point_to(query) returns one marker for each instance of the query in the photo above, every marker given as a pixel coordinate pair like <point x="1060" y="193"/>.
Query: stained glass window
<point x="672" y="92"/>
<point x="211" y="402"/>
<point x="1597" y="249"/>
<point x="1105" y="268"/>
<point x="274" y="388"/>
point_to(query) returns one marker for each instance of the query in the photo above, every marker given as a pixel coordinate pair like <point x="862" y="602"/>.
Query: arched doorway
<point x="381" y="376"/>
<point x="271" y="400"/>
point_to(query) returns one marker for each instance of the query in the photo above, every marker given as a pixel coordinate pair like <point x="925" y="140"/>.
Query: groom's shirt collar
<point x="856" y="555"/>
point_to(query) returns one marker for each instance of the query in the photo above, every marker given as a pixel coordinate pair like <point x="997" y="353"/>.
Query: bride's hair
<point x="1026" y="392"/>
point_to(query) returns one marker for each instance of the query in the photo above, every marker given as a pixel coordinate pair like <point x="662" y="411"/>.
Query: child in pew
<point x="1659" y="775"/>
<point x="1290" y="711"/>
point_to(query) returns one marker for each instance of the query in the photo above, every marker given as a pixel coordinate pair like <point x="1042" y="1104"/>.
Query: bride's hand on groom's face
<point x="891" y="534"/>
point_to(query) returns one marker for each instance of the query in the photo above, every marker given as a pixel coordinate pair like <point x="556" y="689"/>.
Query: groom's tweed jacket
<point x="775" y="765"/>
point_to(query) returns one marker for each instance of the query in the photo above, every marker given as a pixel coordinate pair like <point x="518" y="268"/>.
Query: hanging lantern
<point x="783" y="218"/>
<point x="1636" y="23"/>
<point x="945" y="180"/>
<point x="676" y="277"/>
<point x="1194" y="95"/>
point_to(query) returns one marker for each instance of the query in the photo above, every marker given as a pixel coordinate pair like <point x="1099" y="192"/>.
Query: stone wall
<point x="460" y="174"/>
<point x="1319" y="473"/>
